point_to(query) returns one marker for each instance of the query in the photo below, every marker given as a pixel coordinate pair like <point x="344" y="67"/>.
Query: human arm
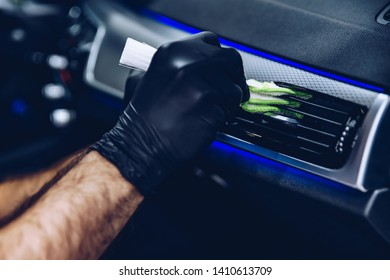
<point x="191" y="88"/>
<point x="76" y="218"/>
<point x="17" y="189"/>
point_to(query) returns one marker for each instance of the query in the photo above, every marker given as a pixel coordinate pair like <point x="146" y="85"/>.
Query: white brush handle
<point x="137" y="55"/>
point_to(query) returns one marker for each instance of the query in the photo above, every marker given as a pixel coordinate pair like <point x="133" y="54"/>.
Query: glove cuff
<point x="136" y="150"/>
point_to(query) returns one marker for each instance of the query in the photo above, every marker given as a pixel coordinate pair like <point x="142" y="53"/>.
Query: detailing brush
<point x="137" y="55"/>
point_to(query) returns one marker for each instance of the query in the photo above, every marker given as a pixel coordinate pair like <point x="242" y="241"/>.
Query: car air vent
<point x="317" y="128"/>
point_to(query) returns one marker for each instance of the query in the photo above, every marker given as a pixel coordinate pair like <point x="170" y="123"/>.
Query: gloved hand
<point x="191" y="88"/>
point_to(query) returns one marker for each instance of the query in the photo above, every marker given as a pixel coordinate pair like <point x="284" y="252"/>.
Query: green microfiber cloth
<point x="271" y="89"/>
<point x="266" y="97"/>
<point x="267" y="88"/>
<point x="252" y="108"/>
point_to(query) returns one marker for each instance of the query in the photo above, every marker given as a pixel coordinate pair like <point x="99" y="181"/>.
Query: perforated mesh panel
<point x="266" y="70"/>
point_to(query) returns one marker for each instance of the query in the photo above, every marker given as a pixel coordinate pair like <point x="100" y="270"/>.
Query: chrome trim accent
<point x="89" y="73"/>
<point x="369" y="130"/>
<point x="381" y="16"/>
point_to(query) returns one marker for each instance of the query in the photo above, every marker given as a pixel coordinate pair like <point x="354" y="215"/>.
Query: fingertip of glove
<point x="132" y="81"/>
<point x="209" y="38"/>
<point x="245" y="94"/>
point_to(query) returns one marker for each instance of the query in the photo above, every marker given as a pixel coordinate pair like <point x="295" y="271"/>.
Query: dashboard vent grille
<point x="320" y="130"/>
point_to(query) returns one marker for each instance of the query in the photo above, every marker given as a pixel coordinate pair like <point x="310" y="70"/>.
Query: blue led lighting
<point x="178" y="25"/>
<point x="268" y="163"/>
<point x="19" y="107"/>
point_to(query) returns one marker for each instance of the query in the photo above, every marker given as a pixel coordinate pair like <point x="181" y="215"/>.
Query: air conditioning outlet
<point x="321" y="129"/>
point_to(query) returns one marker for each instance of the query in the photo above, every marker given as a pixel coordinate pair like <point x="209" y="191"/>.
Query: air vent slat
<point x="316" y="135"/>
<point x="310" y="151"/>
<point x="313" y="142"/>
<point x="283" y="136"/>
<point x="321" y="124"/>
<point x="324" y="100"/>
<point x="318" y="105"/>
<point x="305" y="113"/>
<point x="312" y="130"/>
<point x="300" y="130"/>
<point x="323" y="112"/>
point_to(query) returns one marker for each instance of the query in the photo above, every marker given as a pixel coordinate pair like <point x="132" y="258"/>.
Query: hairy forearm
<point x="76" y="218"/>
<point x="16" y="190"/>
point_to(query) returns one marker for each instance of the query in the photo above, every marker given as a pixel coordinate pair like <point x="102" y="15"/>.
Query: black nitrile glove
<point x="135" y="75"/>
<point x="191" y="88"/>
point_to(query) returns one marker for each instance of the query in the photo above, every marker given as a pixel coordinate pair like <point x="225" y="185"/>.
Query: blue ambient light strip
<point x="226" y="148"/>
<point x="178" y="25"/>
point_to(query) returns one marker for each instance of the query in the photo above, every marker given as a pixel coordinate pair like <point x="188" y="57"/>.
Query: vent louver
<point x="321" y="129"/>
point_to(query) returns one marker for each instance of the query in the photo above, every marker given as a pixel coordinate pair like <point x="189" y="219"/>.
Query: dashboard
<point x="155" y="32"/>
<point x="311" y="188"/>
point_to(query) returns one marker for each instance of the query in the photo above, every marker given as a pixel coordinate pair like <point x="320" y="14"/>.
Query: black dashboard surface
<point x="340" y="36"/>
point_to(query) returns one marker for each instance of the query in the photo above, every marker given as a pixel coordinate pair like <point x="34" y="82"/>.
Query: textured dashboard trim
<point x="176" y="24"/>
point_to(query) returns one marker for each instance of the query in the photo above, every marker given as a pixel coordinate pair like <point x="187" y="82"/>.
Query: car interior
<point x="310" y="185"/>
